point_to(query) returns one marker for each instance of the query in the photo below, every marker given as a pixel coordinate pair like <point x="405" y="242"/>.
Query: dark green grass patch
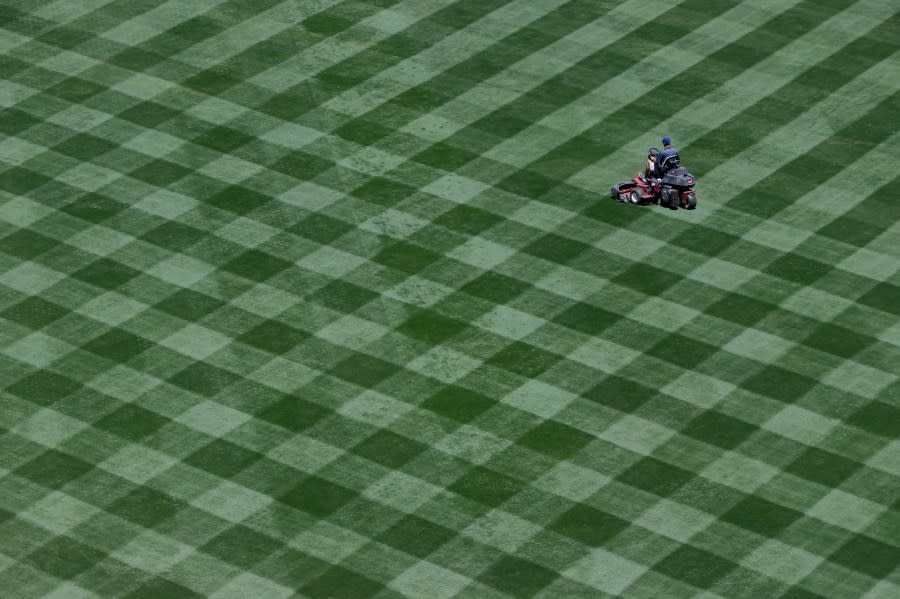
<point x="431" y="327"/>
<point x="458" y="403"/>
<point x="34" y="312"/>
<point x="416" y="536"/>
<point x="589" y="525"/>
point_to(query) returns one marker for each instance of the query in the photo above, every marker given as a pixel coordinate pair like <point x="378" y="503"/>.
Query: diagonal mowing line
<point x="346" y="45"/>
<point x="446" y="54"/>
<point x="237" y="38"/>
<point x="834" y="197"/>
<point x="141" y="28"/>
<point x="752" y="84"/>
<point x="644" y="79"/>
<point x="878" y="84"/>
<point x="64" y="11"/>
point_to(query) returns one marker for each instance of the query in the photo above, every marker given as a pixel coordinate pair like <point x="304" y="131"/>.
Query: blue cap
<point x="667" y="141"/>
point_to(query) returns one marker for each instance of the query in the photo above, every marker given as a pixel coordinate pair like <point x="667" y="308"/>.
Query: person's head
<point x="666" y="141"/>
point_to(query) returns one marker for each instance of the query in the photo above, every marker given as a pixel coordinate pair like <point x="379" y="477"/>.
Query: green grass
<point x="328" y="300"/>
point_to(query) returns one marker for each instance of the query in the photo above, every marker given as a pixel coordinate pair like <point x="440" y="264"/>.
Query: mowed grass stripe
<point x="764" y="89"/>
<point x="534" y="41"/>
<point x="659" y="78"/>
<point x="756" y="80"/>
<point x="704" y="80"/>
<point x="453" y="85"/>
<point x="567" y="86"/>
<point x="843" y="63"/>
<point x="338" y="66"/>
<point x="472" y="52"/>
<point x="745" y="182"/>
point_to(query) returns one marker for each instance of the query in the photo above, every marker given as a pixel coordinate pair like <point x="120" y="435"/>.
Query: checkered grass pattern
<point x="324" y="299"/>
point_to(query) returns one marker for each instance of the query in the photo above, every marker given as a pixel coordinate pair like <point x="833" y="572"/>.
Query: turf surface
<point x="326" y="299"/>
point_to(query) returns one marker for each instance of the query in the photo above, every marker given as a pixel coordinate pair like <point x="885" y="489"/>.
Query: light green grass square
<point x="539" y="398"/>
<point x="89" y="176"/>
<point x="634" y="246"/>
<point x="48" y="427"/>
<point x="329" y="542"/>
<point x="472" y="444"/>
<point x="123" y="382"/>
<point x="30" y="278"/>
<point x="637" y="434"/>
<point x="247" y="232"/>
<point x="426" y="579"/>
<point x="265" y="300"/>
<point x="757" y="345"/>
<point x="15" y="150"/>
<point x="181" y="270"/>
<point x="331" y="262"/>
<point x="571" y="283"/>
<point x="112" y="308"/>
<point x="885" y="589"/>
<point x="100" y="240"/>
<point x="213" y="418"/>
<point x="153" y="552"/>
<point x="816" y="303"/>
<point x="402" y="491"/>
<point x="502" y="530"/>
<point x="202" y="573"/>
<point x="137" y="463"/>
<point x="216" y="110"/>
<point x="571" y="481"/>
<point x="740" y="472"/>
<point x="674" y="520"/>
<point x="542" y="215"/>
<point x="232" y="502"/>
<point x="776" y="235"/>
<point x="664" y="314"/>
<point x="38" y="349"/>
<point x="230" y="169"/>
<point x="373" y="161"/>
<point x="68" y="590"/>
<point x="509" y="322"/>
<point x="418" y="291"/>
<point x="699" y="389"/>
<point x="154" y="143"/>
<point x="196" y="341"/>
<point x="887" y="459"/>
<point x="801" y="425"/>
<point x="444" y="364"/>
<point x="292" y="135"/>
<point x="879" y="266"/>
<point x="853" y="377"/>
<point x="482" y="253"/>
<point x="604" y="355"/>
<point x="845" y="510"/>
<point x="606" y="571"/>
<point x="58" y="512"/>
<point x="305" y="454"/>
<point x="353" y="332"/>
<point x="394" y="223"/>
<point x="247" y="585"/>
<point x="284" y="375"/>
<point x="80" y="118"/>
<point x="455" y="188"/>
<point x="782" y="562"/>
<point x="374" y="408"/>
<point x="167" y="204"/>
<point x="22" y="212"/>
<point x="724" y="275"/>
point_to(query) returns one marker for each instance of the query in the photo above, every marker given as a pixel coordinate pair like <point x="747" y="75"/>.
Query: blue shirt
<point x="661" y="157"/>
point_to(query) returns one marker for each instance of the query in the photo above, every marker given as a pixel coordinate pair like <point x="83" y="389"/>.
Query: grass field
<point x="327" y="299"/>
